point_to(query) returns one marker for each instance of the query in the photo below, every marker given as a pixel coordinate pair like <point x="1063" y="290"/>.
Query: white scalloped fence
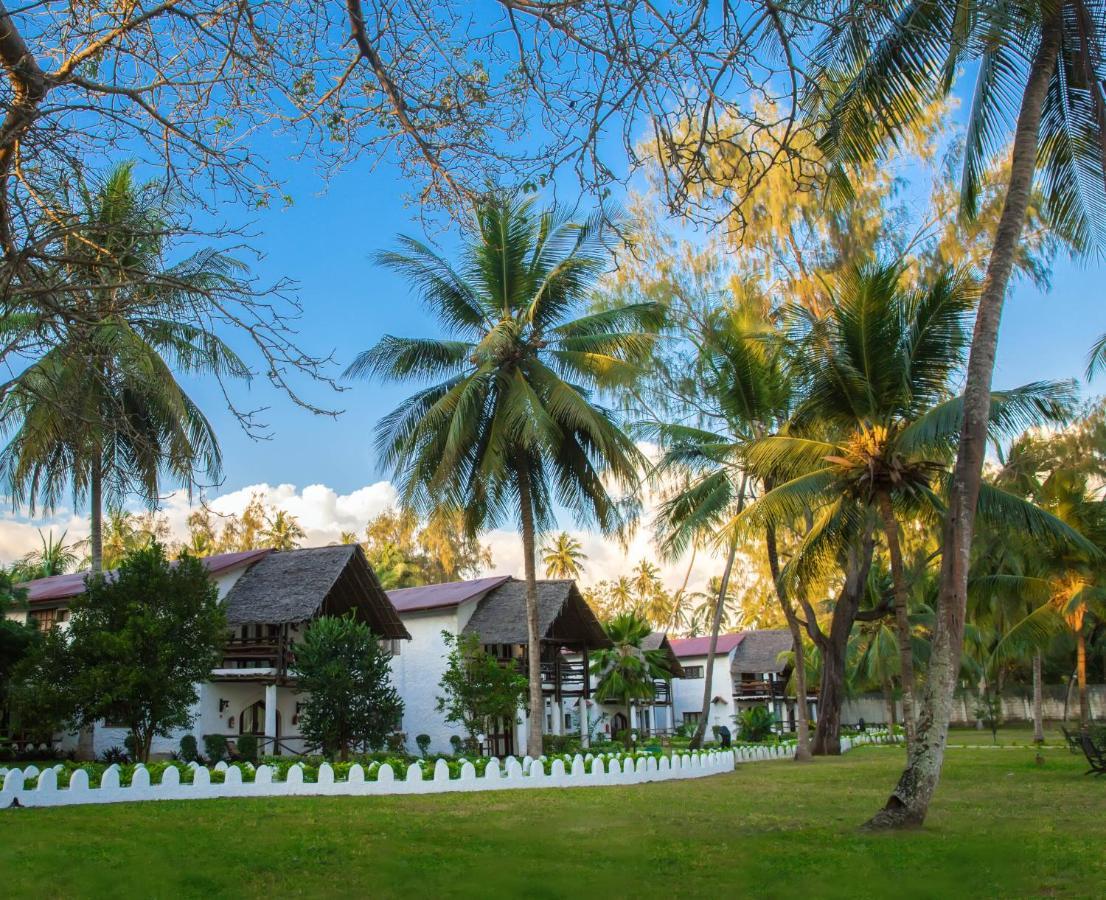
<point x="512" y="774"/>
<point x="33" y="788"/>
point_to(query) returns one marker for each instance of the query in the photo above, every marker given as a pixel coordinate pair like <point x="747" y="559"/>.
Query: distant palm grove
<point x="730" y="278"/>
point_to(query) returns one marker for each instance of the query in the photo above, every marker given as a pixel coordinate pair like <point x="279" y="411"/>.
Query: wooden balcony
<point x="265" y="652"/>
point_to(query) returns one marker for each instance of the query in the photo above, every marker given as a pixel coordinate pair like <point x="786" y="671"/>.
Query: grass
<point x="1001" y="826"/>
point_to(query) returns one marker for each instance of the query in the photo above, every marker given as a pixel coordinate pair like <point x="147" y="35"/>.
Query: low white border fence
<point x="511" y="774"/>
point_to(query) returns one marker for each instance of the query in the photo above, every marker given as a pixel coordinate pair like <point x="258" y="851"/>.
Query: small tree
<point x="18" y="641"/>
<point x="137" y="645"/>
<point x="625" y="671"/>
<point x="476" y="688"/>
<point x="346" y="676"/>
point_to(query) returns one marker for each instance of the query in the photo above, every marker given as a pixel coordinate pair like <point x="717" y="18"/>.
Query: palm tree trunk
<point x="708" y="674"/>
<point x="889" y="702"/>
<point x="909" y="802"/>
<point x="533" y="637"/>
<point x="902" y="613"/>
<point x="802" y="725"/>
<point x="1038" y="714"/>
<point x="1081" y="674"/>
<point x="96" y="518"/>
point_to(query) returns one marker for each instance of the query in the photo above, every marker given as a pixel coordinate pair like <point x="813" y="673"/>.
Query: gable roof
<point x="700" y="646"/>
<point x="296" y="585"/>
<point x="759" y="651"/>
<point x="658" y="640"/>
<point x="563" y="615"/>
<point x="63" y="587"/>
<point x="441" y="596"/>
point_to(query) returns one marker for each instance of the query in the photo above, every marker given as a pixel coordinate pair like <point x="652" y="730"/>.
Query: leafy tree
<point x="101" y="409"/>
<point x="346" y="676"/>
<point x="17" y="639"/>
<point x="626" y="673"/>
<point x="476" y="688"/>
<point x="137" y="645"/>
<point x="563" y="557"/>
<point x="514" y="425"/>
<point x="1038" y="73"/>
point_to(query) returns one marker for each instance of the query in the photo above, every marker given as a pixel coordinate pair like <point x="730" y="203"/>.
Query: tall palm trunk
<point x="1038" y="711"/>
<point x="889" y="702"/>
<point x="1081" y="674"/>
<point x="533" y="637"/>
<point x="909" y="802"/>
<point x="86" y="735"/>
<point x="802" y="725"/>
<point x="712" y="649"/>
<point x="902" y="613"/>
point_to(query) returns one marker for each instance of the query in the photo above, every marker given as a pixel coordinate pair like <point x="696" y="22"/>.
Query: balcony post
<point x="271" y="715"/>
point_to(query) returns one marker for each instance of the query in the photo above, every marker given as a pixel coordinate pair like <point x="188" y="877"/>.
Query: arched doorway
<point x="252" y="720"/>
<point x="619" y="722"/>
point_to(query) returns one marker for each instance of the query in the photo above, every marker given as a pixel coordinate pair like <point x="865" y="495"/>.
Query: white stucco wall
<point x="687" y="693"/>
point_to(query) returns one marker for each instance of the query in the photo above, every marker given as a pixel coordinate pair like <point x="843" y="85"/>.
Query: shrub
<point x="456" y="743"/>
<point x="755" y="724"/>
<point x="247" y="747"/>
<point x="560" y="743"/>
<point x="397" y="741"/>
<point x="423" y="740"/>
<point x="215" y="746"/>
<point x="189" y="751"/>
<point x="115" y="755"/>
<point x="131" y="746"/>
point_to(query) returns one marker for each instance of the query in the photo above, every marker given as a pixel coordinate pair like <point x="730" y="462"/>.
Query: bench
<point x="1096" y="755"/>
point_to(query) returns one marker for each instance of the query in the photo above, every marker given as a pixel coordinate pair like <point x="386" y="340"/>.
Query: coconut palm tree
<point x="626" y="673"/>
<point x="54" y="558"/>
<point x="513" y="424"/>
<point x="563" y="557"/>
<point x="877" y="424"/>
<point x="1039" y="71"/>
<point x="101" y="411"/>
<point x="283" y="531"/>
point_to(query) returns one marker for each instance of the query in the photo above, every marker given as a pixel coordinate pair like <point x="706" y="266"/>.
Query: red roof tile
<point x="439" y="596"/>
<point x="61" y="587"/>
<point x="700" y="646"/>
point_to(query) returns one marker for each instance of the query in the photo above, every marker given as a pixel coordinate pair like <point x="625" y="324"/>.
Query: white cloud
<point x="324" y="514"/>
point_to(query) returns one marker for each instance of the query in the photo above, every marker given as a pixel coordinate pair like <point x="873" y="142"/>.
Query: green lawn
<point x="1002" y="827"/>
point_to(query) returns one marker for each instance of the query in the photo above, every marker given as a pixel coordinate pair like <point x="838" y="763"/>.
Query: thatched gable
<point x="564" y="617"/>
<point x="759" y="652"/>
<point x="298" y="585"/>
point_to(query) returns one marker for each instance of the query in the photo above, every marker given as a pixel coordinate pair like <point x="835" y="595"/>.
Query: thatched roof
<point x="297" y="585"/>
<point x="658" y="640"/>
<point x="759" y="651"/>
<point x="563" y="616"/>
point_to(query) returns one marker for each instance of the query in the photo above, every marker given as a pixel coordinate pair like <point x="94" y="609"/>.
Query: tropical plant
<point x="627" y="673"/>
<point x="101" y="410"/>
<point x="755" y="724"/>
<point x="514" y="424"/>
<point x="476" y="688"/>
<point x="1038" y="71"/>
<point x="283" y="531"/>
<point x="54" y="558"/>
<point x="563" y="557"/>
<point x="345" y="675"/>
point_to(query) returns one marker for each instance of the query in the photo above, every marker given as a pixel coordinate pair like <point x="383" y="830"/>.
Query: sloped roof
<point x="759" y="651"/>
<point x="658" y="640"/>
<point x="441" y="596"/>
<point x="297" y="585"/>
<point x="700" y="646"/>
<point x="62" y="587"/>
<point x="563" y="615"/>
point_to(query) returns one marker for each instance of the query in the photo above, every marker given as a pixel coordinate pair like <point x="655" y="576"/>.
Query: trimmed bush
<point x="456" y="743"/>
<point x="423" y="741"/>
<point x="189" y="750"/>
<point x="215" y="746"/>
<point x="247" y="747"/>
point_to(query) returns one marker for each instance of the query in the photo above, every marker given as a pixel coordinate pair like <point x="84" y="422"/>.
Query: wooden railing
<point x="276" y="651"/>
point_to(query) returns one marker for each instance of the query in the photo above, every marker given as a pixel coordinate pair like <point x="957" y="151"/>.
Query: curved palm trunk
<point x="1038" y="714"/>
<point x="909" y="802"/>
<point x="715" y="627"/>
<point x="86" y="736"/>
<point x="802" y="725"/>
<point x="902" y="613"/>
<point x="889" y="702"/>
<point x="533" y="637"/>
<point x="835" y="645"/>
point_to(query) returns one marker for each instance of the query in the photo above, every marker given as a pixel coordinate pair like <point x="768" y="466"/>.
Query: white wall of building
<point x="687" y="693"/>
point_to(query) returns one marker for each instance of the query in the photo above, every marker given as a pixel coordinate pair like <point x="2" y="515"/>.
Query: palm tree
<point x="742" y="370"/>
<point x="626" y="673"/>
<point x="513" y="426"/>
<point x="562" y="557"/>
<point x="283" y="531"/>
<point x="1040" y="71"/>
<point x="55" y="558"/>
<point x="101" y="411"/>
<point x="877" y="424"/>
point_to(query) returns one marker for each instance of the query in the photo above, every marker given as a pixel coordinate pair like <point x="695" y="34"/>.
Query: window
<point x="690" y="718"/>
<point x="390" y="645"/>
<point x="568" y="722"/>
<point x="46" y="619"/>
<point x="693" y="671"/>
